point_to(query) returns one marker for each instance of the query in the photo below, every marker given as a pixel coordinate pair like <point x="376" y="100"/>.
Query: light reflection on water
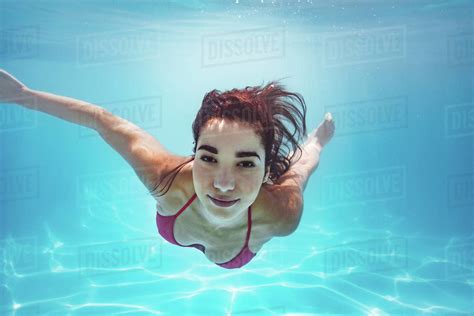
<point x="387" y="223"/>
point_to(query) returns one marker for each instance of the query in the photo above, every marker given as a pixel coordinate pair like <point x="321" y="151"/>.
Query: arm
<point x="142" y="151"/>
<point x="287" y="193"/>
<point x="148" y="157"/>
<point x="301" y="169"/>
<point x="289" y="188"/>
<point x="72" y="110"/>
<point x="75" y="111"/>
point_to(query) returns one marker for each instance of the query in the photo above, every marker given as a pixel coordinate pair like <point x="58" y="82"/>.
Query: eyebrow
<point x="239" y="154"/>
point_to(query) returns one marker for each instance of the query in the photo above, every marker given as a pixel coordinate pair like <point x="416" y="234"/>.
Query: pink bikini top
<point x="165" y="228"/>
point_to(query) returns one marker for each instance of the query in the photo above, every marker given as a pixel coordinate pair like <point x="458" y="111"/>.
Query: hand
<point x="11" y="89"/>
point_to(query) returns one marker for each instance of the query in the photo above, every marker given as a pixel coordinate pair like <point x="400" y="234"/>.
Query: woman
<point x="241" y="187"/>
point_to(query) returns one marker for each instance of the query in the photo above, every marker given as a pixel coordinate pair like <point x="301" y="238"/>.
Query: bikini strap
<point x="186" y="205"/>
<point x="249" y="225"/>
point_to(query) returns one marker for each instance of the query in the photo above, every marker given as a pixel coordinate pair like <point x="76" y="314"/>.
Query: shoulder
<point x="179" y="173"/>
<point x="283" y="205"/>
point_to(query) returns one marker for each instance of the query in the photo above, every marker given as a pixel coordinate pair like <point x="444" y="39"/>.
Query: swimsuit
<point x="165" y="228"/>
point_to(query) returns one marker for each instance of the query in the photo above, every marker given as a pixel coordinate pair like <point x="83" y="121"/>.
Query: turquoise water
<point x="387" y="227"/>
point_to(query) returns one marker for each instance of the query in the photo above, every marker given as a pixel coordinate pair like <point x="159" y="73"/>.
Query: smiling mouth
<point x="222" y="203"/>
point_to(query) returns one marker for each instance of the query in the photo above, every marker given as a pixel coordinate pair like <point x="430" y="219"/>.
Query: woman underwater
<point x="244" y="187"/>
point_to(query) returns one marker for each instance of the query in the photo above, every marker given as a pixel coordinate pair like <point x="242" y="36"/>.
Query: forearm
<point x="309" y="161"/>
<point x="69" y="109"/>
<point x="311" y="152"/>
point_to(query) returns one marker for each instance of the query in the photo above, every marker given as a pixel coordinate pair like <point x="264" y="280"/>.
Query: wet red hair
<point x="278" y="116"/>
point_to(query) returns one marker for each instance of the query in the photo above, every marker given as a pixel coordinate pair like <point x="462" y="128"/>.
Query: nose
<point x="224" y="181"/>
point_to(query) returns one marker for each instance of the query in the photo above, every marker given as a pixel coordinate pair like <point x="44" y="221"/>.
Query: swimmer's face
<point x="230" y="164"/>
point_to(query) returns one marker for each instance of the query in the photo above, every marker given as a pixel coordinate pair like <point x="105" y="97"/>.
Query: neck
<point x="224" y="223"/>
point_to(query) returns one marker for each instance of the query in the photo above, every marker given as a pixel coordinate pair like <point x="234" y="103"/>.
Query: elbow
<point x="293" y="216"/>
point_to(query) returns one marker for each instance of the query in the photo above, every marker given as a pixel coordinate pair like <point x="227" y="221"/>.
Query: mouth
<point x="222" y="203"/>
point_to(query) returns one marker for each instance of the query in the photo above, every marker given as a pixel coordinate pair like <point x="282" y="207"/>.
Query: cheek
<point x="250" y="182"/>
<point x="199" y="175"/>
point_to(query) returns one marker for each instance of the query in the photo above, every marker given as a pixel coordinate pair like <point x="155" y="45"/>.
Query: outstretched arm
<point x="302" y="169"/>
<point x="72" y="110"/>
<point x="289" y="188"/>
<point x="144" y="153"/>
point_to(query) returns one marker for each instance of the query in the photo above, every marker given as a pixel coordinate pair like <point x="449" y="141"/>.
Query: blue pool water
<point x="387" y="227"/>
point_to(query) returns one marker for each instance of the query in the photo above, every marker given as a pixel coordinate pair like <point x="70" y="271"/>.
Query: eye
<point x="205" y="158"/>
<point x="249" y="164"/>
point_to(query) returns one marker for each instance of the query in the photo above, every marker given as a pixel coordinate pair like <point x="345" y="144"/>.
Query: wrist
<point x="26" y="97"/>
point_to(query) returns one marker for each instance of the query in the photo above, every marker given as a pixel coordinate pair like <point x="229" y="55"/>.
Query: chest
<point x="221" y="245"/>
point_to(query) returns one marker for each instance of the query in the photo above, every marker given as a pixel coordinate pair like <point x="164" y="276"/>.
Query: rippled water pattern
<point x="387" y="227"/>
